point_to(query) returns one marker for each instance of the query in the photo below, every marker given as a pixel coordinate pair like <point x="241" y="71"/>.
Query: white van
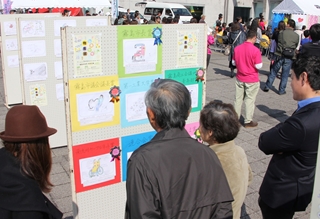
<point x="167" y="10"/>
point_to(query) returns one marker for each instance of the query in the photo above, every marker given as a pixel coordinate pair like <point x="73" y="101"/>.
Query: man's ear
<point x="151" y="115"/>
<point x="304" y="78"/>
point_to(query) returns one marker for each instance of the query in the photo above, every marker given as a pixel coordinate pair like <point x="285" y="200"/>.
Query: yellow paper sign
<point x="90" y="103"/>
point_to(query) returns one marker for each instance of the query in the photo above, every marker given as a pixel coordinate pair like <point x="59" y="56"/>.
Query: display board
<point x="10" y="55"/>
<point x="41" y="66"/>
<point x="315" y="206"/>
<point x="107" y="72"/>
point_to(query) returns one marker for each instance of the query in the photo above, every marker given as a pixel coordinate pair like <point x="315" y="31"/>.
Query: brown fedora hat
<point x="25" y="123"/>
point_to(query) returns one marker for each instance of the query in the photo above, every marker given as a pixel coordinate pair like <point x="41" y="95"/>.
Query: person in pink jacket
<point x="210" y="41"/>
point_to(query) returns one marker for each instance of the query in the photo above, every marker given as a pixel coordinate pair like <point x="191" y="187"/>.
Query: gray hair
<point x="170" y="101"/>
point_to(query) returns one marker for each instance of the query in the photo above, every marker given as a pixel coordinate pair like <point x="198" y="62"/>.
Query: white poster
<point x="10" y="28"/>
<point x="35" y="71"/>
<point x="36" y="48"/>
<point x="194" y="92"/>
<point x="11" y="44"/>
<point x="139" y="55"/>
<point x="58" y="70"/>
<point x="59" y="91"/>
<point x="34" y="28"/>
<point x="135" y="106"/>
<point x="57" y="47"/>
<point x="96" y="22"/>
<point x="94" y="108"/>
<point x="97" y="169"/>
<point x="13" y="61"/>
<point x="38" y="95"/>
<point x="63" y="23"/>
<point x="188" y="48"/>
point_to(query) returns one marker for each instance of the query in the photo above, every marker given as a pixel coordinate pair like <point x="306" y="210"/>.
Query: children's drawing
<point x="10" y="28"/>
<point x="97" y="169"/>
<point x="35" y="71"/>
<point x="13" y="61"/>
<point x="139" y="55"/>
<point x="96" y="22"/>
<point x="36" y="48"/>
<point x="34" y="28"/>
<point x="57" y="48"/>
<point x="135" y="106"/>
<point x="58" y="72"/>
<point x="11" y="44"/>
<point x="94" y="108"/>
<point x="95" y="104"/>
<point x="194" y="92"/>
<point x="59" y="91"/>
<point x="63" y="23"/>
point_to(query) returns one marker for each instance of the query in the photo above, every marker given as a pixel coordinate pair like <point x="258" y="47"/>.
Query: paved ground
<point x="270" y="110"/>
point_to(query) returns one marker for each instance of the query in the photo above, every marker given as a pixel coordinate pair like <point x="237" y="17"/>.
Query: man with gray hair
<point x="174" y="176"/>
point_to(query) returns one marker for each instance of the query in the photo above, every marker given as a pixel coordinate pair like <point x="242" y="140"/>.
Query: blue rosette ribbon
<point x="157" y="33"/>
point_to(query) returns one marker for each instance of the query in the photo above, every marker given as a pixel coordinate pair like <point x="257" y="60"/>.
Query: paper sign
<point x="129" y="144"/>
<point x="13" y="61"/>
<point x="58" y="72"/>
<point x="87" y="54"/>
<point x="38" y="95"/>
<point x="90" y="103"/>
<point x="191" y="128"/>
<point x="96" y="22"/>
<point x="137" y="54"/>
<point x="11" y="44"/>
<point x="188" y="47"/>
<point x="10" y="28"/>
<point x="34" y="28"/>
<point x="94" y="166"/>
<point x="63" y="23"/>
<point x="35" y="48"/>
<point x="59" y="91"/>
<point x="57" y="47"/>
<point x="187" y="76"/>
<point x="133" y="109"/>
<point x="35" y="71"/>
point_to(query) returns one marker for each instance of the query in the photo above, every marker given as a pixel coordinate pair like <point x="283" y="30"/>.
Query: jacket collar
<point x="307" y="107"/>
<point x="171" y="134"/>
<point x="223" y="146"/>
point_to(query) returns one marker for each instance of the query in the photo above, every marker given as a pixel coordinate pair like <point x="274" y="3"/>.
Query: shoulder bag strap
<point x="236" y="37"/>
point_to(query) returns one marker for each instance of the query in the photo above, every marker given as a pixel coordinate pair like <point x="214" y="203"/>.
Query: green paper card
<point x="188" y="76"/>
<point x="137" y="54"/>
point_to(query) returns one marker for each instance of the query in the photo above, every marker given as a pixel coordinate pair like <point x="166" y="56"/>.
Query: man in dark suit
<point x="288" y="183"/>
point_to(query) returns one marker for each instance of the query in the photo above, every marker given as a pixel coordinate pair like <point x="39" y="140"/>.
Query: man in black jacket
<point x="312" y="48"/>
<point x="287" y="43"/>
<point x="174" y="176"/>
<point x="288" y="183"/>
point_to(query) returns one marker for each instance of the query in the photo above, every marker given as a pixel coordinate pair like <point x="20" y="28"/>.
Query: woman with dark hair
<point x="219" y="126"/>
<point x="236" y="37"/>
<point x="25" y="165"/>
<point x="255" y="27"/>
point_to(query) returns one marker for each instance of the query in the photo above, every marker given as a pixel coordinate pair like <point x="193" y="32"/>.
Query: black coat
<point x="289" y="179"/>
<point x="20" y="196"/>
<point x="174" y="176"/>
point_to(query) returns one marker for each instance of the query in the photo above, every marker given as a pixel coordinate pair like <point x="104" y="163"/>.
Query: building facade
<point x="212" y="8"/>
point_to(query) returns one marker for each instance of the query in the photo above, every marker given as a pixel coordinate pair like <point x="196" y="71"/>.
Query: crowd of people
<point x="175" y="176"/>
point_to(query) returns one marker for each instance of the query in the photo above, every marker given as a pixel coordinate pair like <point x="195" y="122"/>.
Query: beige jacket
<point x="238" y="172"/>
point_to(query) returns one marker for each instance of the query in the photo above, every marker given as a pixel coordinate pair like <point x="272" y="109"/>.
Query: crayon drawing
<point x="35" y="71"/>
<point x="35" y="28"/>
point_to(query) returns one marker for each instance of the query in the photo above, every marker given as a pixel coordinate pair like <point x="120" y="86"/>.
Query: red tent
<point x="74" y="11"/>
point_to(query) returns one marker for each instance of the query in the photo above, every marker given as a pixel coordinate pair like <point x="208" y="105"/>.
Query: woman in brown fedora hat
<point x="25" y="165"/>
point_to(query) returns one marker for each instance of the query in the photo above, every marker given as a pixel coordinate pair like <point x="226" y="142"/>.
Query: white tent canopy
<point x="60" y="4"/>
<point x="309" y="7"/>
